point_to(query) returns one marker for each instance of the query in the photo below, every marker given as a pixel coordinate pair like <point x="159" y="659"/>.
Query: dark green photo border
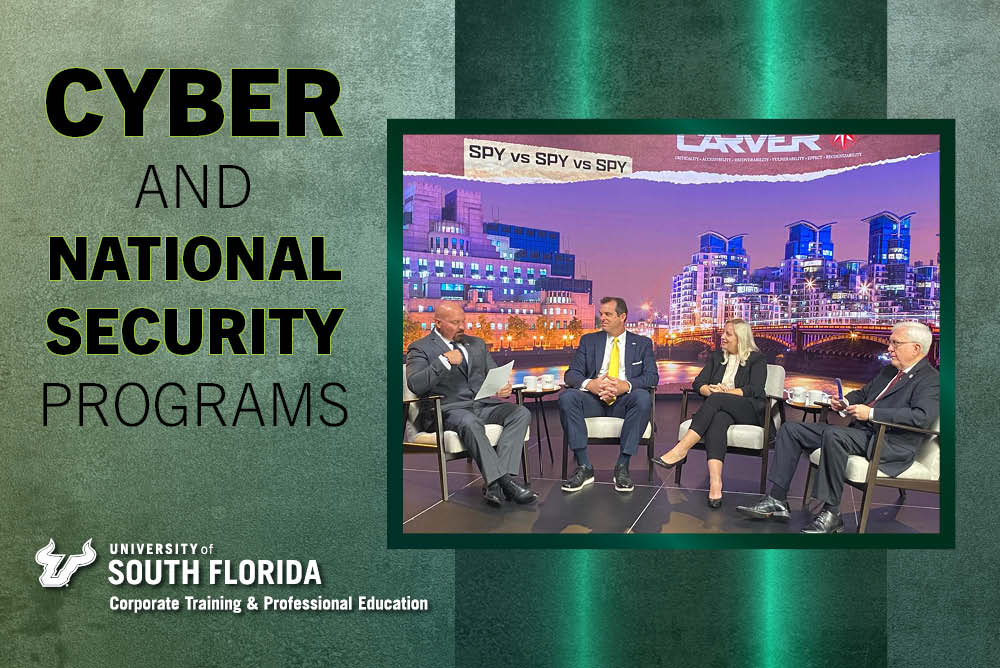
<point x="394" y="326"/>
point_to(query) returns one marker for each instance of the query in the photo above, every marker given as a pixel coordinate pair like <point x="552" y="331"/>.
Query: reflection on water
<point x="675" y="375"/>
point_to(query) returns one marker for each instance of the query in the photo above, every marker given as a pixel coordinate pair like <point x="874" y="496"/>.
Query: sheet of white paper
<point x="495" y="379"/>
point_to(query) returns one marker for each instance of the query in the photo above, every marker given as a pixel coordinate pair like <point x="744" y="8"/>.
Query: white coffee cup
<point x="548" y="381"/>
<point x="797" y="394"/>
<point x="817" y="397"/>
<point x="531" y="383"/>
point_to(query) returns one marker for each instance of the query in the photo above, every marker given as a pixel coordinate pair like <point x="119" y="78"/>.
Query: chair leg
<point x="443" y="471"/>
<point x="538" y="433"/>
<point x="902" y="496"/>
<point x="810" y="475"/>
<point x="763" y="470"/>
<point x="524" y="466"/>
<point x="649" y="455"/>
<point x="565" y="455"/>
<point x="866" y="505"/>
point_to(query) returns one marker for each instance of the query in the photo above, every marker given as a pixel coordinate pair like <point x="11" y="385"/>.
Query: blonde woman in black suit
<point x="733" y="386"/>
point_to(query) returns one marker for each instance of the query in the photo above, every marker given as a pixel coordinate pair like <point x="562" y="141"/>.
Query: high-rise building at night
<point x="850" y="274"/>
<point x="768" y="278"/>
<point x="808" y="270"/>
<point x="698" y="294"/>
<point x="889" y="246"/>
<point x="534" y="245"/>
<point x="810" y="284"/>
<point x="498" y="270"/>
<point x="927" y="289"/>
<point x="808" y="240"/>
<point x="808" y="266"/>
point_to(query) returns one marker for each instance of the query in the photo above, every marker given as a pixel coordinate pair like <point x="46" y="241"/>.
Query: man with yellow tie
<point x="609" y="376"/>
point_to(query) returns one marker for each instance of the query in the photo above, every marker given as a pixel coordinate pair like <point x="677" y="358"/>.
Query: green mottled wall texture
<point x="320" y="493"/>
<point x="287" y="492"/>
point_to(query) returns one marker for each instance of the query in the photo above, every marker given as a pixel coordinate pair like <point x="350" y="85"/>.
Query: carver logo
<point x="52" y="575"/>
<point x="844" y="140"/>
<point x="749" y="143"/>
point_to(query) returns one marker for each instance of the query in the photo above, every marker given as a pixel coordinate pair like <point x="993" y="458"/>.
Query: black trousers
<point x="716" y="415"/>
<point x="837" y="443"/>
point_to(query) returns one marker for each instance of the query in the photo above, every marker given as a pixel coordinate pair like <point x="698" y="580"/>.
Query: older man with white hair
<point x="905" y="393"/>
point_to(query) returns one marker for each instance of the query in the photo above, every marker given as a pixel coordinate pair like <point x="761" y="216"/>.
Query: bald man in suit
<point x="453" y="364"/>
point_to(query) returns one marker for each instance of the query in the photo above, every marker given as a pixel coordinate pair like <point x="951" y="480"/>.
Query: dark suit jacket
<point x="640" y="366"/>
<point x="426" y="374"/>
<point x="750" y="377"/>
<point x="913" y="401"/>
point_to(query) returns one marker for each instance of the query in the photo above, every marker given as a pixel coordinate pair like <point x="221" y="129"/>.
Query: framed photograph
<point x="816" y="255"/>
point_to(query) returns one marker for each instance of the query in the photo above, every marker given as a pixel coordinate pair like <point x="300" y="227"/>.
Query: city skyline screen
<point x="630" y="236"/>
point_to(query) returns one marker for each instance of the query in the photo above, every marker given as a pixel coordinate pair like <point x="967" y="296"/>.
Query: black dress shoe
<point x="768" y="508"/>
<point x="714" y="504"/>
<point x="662" y="464"/>
<point x="493" y="495"/>
<point x="515" y="492"/>
<point x="826" y="522"/>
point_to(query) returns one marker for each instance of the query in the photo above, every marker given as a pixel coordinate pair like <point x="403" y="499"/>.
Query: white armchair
<point x="608" y="430"/>
<point x="924" y="474"/>
<point x="447" y="444"/>
<point x="748" y="439"/>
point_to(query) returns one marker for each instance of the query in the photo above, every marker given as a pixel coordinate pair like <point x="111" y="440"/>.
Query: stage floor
<point x="659" y="506"/>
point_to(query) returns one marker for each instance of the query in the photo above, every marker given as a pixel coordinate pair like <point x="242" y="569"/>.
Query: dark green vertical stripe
<point x="581" y="59"/>
<point x="590" y="59"/>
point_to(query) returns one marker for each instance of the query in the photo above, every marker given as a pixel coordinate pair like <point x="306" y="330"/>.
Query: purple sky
<point x="631" y="236"/>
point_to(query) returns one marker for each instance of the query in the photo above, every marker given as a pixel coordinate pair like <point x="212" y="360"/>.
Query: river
<point x="675" y="375"/>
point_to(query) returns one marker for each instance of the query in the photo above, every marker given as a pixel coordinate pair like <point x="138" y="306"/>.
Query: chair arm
<point x="430" y="397"/>
<point x="893" y="425"/>
<point x="876" y="457"/>
<point x="685" y="392"/>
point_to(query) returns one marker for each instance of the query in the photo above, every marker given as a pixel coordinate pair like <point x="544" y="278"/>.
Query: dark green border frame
<point x="394" y="333"/>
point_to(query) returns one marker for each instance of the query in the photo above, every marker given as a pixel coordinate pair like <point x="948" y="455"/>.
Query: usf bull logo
<point x="52" y="575"/>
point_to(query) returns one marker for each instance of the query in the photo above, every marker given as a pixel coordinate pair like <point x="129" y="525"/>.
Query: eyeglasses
<point x="896" y="344"/>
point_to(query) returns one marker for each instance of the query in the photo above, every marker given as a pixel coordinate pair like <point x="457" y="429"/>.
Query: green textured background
<point x="313" y="492"/>
<point x="773" y="59"/>
<point x="943" y="61"/>
<point x="301" y="492"/>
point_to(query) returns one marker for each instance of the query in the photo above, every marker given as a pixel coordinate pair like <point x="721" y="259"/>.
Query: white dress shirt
<point x="607" y="361"/>
<point x="732" y="363"/>
<point x="451" y="346"/>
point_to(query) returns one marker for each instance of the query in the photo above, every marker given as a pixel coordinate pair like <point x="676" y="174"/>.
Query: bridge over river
<point x="812" y="354"/>
<point x="835" y="340"/>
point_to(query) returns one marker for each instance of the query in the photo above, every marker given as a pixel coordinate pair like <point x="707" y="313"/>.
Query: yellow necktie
<point x="613" y="363"/>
